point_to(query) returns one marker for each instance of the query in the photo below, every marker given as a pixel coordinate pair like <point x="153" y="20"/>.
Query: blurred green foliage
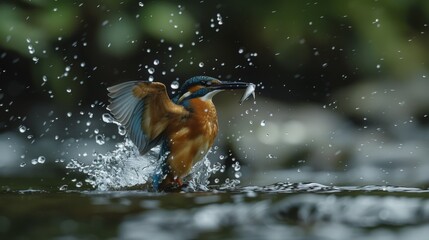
<point x="339" y="40"/>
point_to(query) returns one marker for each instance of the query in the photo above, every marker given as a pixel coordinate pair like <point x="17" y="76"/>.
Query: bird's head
<point x="205" y="88"/>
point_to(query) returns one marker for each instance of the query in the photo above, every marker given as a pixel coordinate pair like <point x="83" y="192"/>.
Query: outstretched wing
<point x="145" y="109"/>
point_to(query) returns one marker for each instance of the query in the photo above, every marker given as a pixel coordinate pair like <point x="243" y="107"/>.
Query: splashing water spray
<point x="121" y="168"/>
<point x="125" y="168"/>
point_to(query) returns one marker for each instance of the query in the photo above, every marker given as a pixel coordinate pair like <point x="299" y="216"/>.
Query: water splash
<point x="121" y="168"/>
<point x="198" y="179"/>
<point x="124" y="167"/>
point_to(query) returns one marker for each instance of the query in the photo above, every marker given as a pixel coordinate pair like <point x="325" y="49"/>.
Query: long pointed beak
<point x="250" y="88"/>
<point x="230" y="85"/>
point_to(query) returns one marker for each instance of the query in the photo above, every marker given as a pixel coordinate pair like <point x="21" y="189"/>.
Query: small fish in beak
<point x="249" y="90"/>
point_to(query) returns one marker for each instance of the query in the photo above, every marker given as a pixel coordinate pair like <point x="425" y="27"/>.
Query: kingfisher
<point x="185" y="126"/>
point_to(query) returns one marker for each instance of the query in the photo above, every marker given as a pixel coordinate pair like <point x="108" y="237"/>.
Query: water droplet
<point x="221" y="157"/>
<point x="44" y="78"/>
<point x="151" y="70"/>
<point x="79" y="184"/>
<point x="263" y="123"/>
<point x="22" y="129"/>
<point x="141" y="4"/>
<point x="121" y="130"/>
<point x="237" y="167"/>
<point x="219" y="19"/>
<point x="174" y="85"/>
<point x="216" y="180"/>
<point x="270" y="155"/>
<point x="69" y="114"/>
<point x="41" y="159"/>
<point x="237" y="174"/>
<point x="63" y="188"/>
<point x="155" y="62"/>
<point x="107" y="118"/>
<point x="240" y="51"/>
<point x="99" y="139"/>
<point x="31" y="49"/>
<point x="82" y="64"/>
<point x="22" y="164"/>
<point x="67" y="68"/>
<point x="34" y="161"/>
<point x="68" y="90"/>
<point x="201" y="64"/>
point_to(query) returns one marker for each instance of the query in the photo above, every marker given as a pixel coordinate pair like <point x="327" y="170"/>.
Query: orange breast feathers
<point x="191" y="139"/>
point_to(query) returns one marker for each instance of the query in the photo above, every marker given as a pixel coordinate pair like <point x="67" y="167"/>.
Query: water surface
<point x="277" y="211"/>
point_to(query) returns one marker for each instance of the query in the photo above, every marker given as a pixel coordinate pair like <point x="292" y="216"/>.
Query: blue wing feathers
<point x="135" y="128"/>
<point x="128" y="110"/>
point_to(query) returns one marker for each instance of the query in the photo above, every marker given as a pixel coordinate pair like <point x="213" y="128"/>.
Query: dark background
<point x="342" y="91"/>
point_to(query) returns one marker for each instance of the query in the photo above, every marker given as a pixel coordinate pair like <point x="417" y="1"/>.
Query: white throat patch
<point x="209" y="96"/>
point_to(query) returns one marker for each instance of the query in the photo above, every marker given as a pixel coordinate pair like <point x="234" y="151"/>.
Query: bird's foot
<point x="174" y="185"/>
<point x="178" y="181"/>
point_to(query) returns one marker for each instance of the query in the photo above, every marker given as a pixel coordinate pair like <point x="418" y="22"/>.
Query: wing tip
<point x="122" y="101"/>
<point x="119" y="86"/>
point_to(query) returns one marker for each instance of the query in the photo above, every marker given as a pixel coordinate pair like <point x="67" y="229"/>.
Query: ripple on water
<point x="302" y="215"/>
<point x="287" y="187"/>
